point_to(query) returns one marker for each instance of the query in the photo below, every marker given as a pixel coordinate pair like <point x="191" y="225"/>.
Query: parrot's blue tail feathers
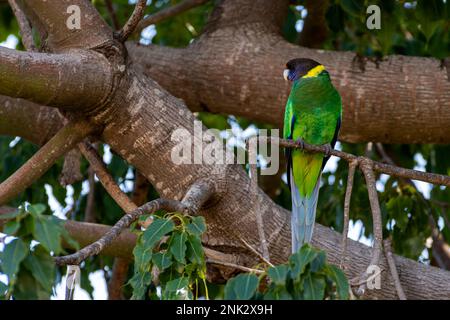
<point x="303" y="215"/>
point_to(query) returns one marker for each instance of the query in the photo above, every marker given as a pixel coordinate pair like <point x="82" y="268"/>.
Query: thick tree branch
<point x="58" y="20"/>
<point x="61" y="143"/>
<point x="25" y="119"/>
<point x="70" y="81"/>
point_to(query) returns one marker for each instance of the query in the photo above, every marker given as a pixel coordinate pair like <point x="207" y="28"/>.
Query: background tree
<point x="222" y="60"/>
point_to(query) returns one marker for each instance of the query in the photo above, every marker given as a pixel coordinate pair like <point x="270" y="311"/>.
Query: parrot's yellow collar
<point x="314" y="72"/>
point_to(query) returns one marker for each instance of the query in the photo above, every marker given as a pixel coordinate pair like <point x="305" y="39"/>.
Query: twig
<point x="26" y="31"/>
<point x="259" y="255"/>
<point x="392" y="170"/>
<point x="89" y="213"/>
<point x="393" y="269"/>
<point x="105" y="178"/>
<point x="148" y="208"/>
<point x="252" y="150"/>
<point x="97" y="246"/>
<point x="121" y="265"/>
<point x="348" y="195"/>
<point x="136" y="17"/>
<point x="169" y="12"/>
<point x="235" y="266"/>
<point x="366" y="167"/>
<point x="112" y="14"/>
<point x="64" y="140"/>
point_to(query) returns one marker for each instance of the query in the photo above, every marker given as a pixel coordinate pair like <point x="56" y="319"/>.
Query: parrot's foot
<point x="328" y="149"/>
<point x="300" y="143"/>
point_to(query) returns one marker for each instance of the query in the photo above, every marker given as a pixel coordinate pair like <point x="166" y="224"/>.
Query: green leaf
<point x="47" y="230"/>
<point x="319" y="262"/>
<point x="162" y="260"/>
<point x="298" y="261"/>
<point x="142" y="258"/>
<point x="339" y="278"/>
<point x="313" y="287"/>
<point x="241" y="287"/>
<point x="42" y="267"/>
<point x="278" y="274"/>
<point x="178" y="247"/>
<point x="3" y="288"/>
<point x="13" y="254"/>
<point x="36" y="209"/>
<point x="197" y="226"/>
<point x="195" y="251"/>
<point x="139" y="282"/>
<point x="28" y="288"/>
<point x="177" y="284"/>
<point x="154" y="233"/>
<point x="11" y="227"/>
<point x="72" y="243"/>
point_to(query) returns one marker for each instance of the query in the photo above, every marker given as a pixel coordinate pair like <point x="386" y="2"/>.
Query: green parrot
<point x="313" y="115"/>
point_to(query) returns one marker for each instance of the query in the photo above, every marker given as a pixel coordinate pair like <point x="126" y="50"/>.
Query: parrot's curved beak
<point x="286" y="74"/>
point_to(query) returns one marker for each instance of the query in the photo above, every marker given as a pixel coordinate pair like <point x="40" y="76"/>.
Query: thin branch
<point x="348" y="194"/>
<point x="132" y="23"/>
<point x="66" y="139"/>
<point x="114" y="232"/>
<point x="259" y="255"/>
<point x="26" y="31"/>
<point x="112" y="14"/>
<point x="169" y="12"/>
<point x="89" y="213"/>
<point x="366" y="167"/>
<point x="252" y="149"/>
<point x="393" y="269"/>
<point x="121" y="265"/>
<point x="130" y="217"/>
<point x="392" y="170"/>
<point x="105" y="177"/>
<point x="235" y="266"/>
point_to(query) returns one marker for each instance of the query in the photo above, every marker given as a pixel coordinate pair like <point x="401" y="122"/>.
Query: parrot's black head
<point x="302" y="67"/>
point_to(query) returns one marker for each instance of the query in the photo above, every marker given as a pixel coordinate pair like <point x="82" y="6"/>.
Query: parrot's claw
<point x="300" y="143"/>
<point x="328" y="149"/>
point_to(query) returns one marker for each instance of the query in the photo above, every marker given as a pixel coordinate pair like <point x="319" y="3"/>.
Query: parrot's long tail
<point x="303" y="215"/>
